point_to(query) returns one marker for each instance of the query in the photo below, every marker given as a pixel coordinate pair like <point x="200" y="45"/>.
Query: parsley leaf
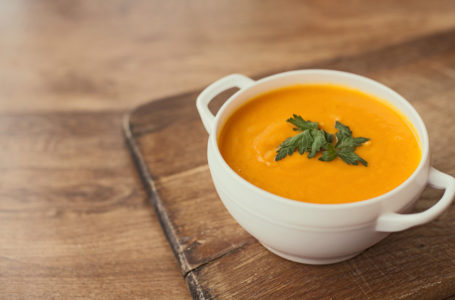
<point x="303" y="142"/>
<point x="314" y="140"/>
<point x="319" y="141"/>
<point x="343" y="129"/>
<point x="301" y="124"/>
<point x="350" y="142"/>
<point x="350" y="157"/>
<point x="328" y="136"/>
<point x="329" y="154"/>
<point x="346" y="145"/>
<point x="358" y="141"/>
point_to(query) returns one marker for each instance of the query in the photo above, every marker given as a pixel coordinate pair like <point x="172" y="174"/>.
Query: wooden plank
<point x="409" y="265"/>
<point x="220" y="260"/>
<point x="151" y="49"/>
<point x="74" y="220"/>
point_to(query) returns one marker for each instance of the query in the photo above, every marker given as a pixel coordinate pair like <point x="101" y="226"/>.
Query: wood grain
<point x="220" y="260"/>
<point x="93" y="55"/>
<point x="74" y="220"/>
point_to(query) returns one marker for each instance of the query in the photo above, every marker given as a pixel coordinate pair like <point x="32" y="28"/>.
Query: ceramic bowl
<point x="317" y="233"/>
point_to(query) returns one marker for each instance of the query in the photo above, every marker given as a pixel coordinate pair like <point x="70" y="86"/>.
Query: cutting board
<point x="218" y="259"/>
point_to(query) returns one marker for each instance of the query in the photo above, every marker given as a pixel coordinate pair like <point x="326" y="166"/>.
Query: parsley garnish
<point x="311" y="139"/>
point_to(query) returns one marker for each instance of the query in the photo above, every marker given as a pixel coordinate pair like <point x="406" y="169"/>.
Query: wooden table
<point x="74" y="220"/>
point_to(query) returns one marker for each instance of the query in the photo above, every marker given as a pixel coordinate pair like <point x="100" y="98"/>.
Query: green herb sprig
<point x="311" y="139"/>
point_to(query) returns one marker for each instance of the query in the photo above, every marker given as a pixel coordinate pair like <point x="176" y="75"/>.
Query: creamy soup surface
<point x="250" y="137"/>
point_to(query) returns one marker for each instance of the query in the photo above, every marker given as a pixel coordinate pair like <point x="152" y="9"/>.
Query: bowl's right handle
<point x="391" y="222"/>
<point x="219" y="86"/>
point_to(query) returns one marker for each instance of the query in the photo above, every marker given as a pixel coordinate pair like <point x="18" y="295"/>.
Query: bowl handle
<point x="391" y="222"/>
<point x="207" y="95"/>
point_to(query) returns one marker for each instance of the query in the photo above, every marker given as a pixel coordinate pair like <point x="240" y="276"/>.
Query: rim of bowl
<point x="289" y="201"/>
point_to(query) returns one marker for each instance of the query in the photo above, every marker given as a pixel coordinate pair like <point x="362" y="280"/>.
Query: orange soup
<point x="250" y="138"/>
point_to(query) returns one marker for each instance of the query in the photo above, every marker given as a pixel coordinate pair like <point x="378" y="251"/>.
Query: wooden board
<point x="218" y="259"/>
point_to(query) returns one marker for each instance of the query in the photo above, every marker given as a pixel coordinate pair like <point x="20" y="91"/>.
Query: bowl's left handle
<point x="391" y="222"/>
<point x="219" y="86"/>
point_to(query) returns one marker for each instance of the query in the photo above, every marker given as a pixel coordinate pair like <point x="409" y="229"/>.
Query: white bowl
<point x="317" y="233"/>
